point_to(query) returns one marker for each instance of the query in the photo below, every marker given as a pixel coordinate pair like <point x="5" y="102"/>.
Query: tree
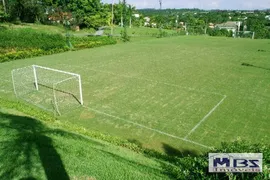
<point x="257" y="25"/>
<point x="124" y="34"/>
<point x="130" y="14"/>
<point x="89" y="13"/>
<point x="4" y="6"/>
<point x="25" y="10"/>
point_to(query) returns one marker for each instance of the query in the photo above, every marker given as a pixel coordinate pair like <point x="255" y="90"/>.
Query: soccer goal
<point x="51" y="89"/>
<point x="245" y="34"/>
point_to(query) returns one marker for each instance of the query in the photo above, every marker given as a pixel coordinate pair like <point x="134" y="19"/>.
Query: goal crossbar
<point x="34" y="84"/>
<point x="60" y="71"/>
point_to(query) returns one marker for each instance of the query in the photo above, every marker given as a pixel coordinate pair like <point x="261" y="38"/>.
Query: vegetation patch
<point x="25" y="43"/>
<point x="176" y="165"/>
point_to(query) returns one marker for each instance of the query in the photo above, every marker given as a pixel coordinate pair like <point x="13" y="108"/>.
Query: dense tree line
<point x="197" y="21"/>
<point x="85" y="13"/>
<point x="94" y="14"/>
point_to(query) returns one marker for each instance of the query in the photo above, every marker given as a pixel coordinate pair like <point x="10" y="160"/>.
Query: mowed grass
<point x="156" y="92"/>
<point x="33" y="150"/>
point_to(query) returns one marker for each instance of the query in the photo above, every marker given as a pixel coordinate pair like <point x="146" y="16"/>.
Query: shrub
<point x="28" y="38"/>
<point x="26" y="43"/>
<point x="219" y="32"/>
<point x="197" y="167"/>
<point x="91" y="41"/>
<point x="124" y="35"/>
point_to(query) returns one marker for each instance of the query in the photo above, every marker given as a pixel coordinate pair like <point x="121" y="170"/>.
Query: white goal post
<point x="47" y="87"/>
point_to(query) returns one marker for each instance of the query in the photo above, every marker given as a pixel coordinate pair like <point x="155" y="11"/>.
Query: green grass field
<point x="190" y="93"/>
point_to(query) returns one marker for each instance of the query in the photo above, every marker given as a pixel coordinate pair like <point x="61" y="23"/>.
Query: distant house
<point x="60" y="17"/>
<point x="211" y="25"/>
<point x="230" y="25"/>
<point x="147" y="21"/>
<point x="154" y="25"/>
<point x="136" y="15"/>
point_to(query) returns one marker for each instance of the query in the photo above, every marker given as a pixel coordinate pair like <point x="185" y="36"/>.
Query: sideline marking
<point x="205" y="117"/>
<point x="140" y="125"/>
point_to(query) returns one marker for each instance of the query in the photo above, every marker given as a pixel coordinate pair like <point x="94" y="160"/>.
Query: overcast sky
<point x="202" y="4"/>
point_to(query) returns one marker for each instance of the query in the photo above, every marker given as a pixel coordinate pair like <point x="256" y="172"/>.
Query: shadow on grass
<point x="171" y="151"/>
<point x="62" y="91"/>
<point x="250" y="65"/>
<point x="23" y="140"/>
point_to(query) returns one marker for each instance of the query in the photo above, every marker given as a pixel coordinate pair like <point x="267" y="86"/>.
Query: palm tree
<point x="130" y="15"/>
<point x="121" y="9"/>
<point x="4" y="6"/>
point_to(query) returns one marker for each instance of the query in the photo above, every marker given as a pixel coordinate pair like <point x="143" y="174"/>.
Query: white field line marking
<point x="142" y="126"/>
<point x="205" y="117"/>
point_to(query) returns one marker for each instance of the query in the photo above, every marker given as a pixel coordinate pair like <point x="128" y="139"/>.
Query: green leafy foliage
<point x="19" y="43"/>
<point x="219" y="32"/>
<point x="91" y="41"/>
<point x="29" y="38"/>
<point x="197" y="167"/>
<point x="124" y="35"/>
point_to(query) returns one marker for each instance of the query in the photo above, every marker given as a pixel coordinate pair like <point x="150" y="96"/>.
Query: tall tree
<point x="130" y="14"/>
<point x="4" y="6"/>
<point x="124" y="34"/>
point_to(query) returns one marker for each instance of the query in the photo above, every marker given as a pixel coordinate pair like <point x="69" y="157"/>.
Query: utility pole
<point x="112" y="18"/>
<point x="160" y="4"/>
<point x="160" y="26"/>
<point x="121" y="6"/>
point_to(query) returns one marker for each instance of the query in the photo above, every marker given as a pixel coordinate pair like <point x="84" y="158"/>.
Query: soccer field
<point x="187" y="93"/>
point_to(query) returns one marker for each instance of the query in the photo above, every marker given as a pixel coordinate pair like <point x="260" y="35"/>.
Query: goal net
<point x="51" y="89"/>
<point x="245" y="34"/>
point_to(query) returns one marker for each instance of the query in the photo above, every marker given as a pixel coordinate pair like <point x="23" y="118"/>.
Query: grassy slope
<point x="31" y="149"/>
<point x="114" y="83"/>
<point x="47" y="28"/>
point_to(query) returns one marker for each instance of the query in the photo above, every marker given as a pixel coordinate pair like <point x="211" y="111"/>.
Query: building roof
<point x="229" y="24"/>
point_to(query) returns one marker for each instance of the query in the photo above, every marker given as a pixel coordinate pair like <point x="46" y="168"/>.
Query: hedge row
<point x="27" y="43"/>
<point x="186" y="167"/>
<point x="91" y="41"/>
<point x="28" y="38"/>
<point x="28" y="53"/>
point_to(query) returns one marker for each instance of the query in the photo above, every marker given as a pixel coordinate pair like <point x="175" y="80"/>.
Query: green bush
<point x="27" y="38"/>
<point x="219" y="32"/>
<point x="28" y="53"/>
<point x="124" y="35"/>
<point x="91" y="41"/>
<point x="27" y="43"/>
<point x="197" y="167"/>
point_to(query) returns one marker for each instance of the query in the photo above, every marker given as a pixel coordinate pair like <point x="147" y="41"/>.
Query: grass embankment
<point x="42" y="150"/>
<point x="22" y="43"/>
<point x="49" y="149"/>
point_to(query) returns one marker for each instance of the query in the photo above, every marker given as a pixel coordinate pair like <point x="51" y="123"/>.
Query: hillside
<point x="31" y="149"/>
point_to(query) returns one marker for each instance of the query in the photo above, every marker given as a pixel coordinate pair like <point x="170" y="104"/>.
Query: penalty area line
<point x="145" y="127"/>
<point x="205" y="117"/>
